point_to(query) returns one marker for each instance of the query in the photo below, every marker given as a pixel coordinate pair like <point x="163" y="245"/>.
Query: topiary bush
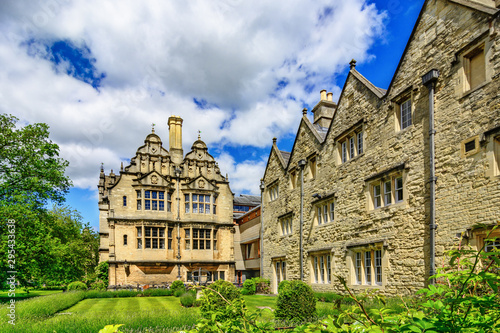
<point x="177" y="285"/>
<point x="215" y="301"/>
<point x="249" y="287"/>
<point x="77" y="285"/>
<point x="188" y="299"/>
<point x="296" y="302"/>
<point x="283" y="285"/>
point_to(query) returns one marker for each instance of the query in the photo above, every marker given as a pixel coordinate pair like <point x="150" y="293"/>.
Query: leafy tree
<point x="30" y="167"/>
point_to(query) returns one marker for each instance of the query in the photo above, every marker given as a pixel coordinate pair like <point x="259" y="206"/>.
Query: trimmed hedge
<point x="249" y="287"/>
<point x="296" y="302"/>
<point x="77" y="285"/>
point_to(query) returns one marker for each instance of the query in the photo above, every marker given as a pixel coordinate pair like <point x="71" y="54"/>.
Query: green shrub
<point x="102" y="272"/>
<point x="98" y="285"/>
<point x="177" y="284"/>
<point x="283" y="285"/>
<point x="188" y="299"/>
<point x="157" y="292"/>
<point x="77" y="285"/>
<point x="223" y="299"/>
<point x="296" y="302"/>
<point x="179" y="292"/>
<point x="249" y="287"/>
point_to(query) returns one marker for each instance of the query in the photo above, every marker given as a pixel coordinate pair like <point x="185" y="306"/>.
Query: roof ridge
<point x="376" y="90"/>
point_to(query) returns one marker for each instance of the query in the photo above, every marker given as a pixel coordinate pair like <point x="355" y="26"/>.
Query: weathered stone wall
<point x="467" y="190"/>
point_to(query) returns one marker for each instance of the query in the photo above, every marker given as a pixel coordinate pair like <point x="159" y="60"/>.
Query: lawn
<point x="138" y="314"/>
<point x="21" y="294"/>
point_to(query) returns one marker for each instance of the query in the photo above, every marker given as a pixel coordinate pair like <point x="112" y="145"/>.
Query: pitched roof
<point x="247" y="200"/>
<point x="286" y="156"/>
<point x="376" y="90"/>
<point x="477" y="6"/>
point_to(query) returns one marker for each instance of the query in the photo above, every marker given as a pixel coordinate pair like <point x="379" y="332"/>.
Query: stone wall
<point x="467" y="192"/>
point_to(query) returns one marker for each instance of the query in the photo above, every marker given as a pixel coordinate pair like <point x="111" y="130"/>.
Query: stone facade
<point x="365" y="161"/>
<point x="167" y="216"/>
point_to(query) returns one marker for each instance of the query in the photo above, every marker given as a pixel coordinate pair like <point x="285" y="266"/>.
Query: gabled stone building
<point x="381" y="184"/>
<point x="167" y="216"/>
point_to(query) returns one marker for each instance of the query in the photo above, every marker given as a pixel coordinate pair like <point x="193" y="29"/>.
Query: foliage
<point x="223" y="300"/>
<point x="77" y="285"/>
<point x="179" y="292"/>
<point x="157" y="292"/>
<point x="263" y="286"/>
<point x="111" y="329"/>
<point x="188" y="299"/>
<point x="98" y="285"/>
<point x="102" y="272"/>
<point x="177" y="285"/>
<point x="249" y="287"/>
<point x="30" y="169"/>
<point x="296" y="302"/>
<point x="283" y="285"/>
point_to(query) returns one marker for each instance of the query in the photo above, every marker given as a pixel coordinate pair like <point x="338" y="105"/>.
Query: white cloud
<point x="160" y="55"/>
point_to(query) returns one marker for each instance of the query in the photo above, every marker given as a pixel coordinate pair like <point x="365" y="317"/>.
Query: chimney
<point x="175" y="139"/>
<point x="323" y="111"/>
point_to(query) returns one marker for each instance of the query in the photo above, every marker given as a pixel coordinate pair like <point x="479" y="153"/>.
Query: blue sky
<point x="240" y="72"/>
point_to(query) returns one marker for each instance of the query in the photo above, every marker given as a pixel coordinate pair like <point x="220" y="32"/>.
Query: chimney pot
<point x="329" y="97"/>
<point x="323" y="95"/>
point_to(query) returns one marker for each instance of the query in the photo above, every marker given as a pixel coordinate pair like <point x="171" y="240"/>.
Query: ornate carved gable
<point x="201" y="183"/>
<point x="153" y="179"/>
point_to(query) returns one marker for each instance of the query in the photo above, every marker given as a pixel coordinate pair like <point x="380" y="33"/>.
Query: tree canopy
<point x="30" y="167"/>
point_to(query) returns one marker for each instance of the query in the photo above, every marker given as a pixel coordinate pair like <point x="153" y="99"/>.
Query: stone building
<point x="382" y="183"/>
<point x="247" y="242"/>
<point x="167" y="216"/>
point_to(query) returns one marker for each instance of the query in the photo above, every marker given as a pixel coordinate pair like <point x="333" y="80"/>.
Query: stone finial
<point x="153" y="127"/>
<point x="304" y="111"/>
<point x="353" y="64"/>
<point x="274" y="140"/>
<point x="121" y="168"/>
<point x="102" y="167"/>
<point x="199" y="135"/>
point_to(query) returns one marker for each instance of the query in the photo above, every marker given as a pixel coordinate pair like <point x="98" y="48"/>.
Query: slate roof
<point x="247" y="200"/>
<point x="286" y="156"/>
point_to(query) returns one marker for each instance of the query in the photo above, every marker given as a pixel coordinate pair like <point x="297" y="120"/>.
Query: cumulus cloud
<point x="254" y="65"/>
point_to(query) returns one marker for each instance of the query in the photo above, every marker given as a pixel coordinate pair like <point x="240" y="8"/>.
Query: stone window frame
<point x="398" y="104"/>
<point x="491" y="140"/>
<point x="312" y="166"/>
<point x="464" y="152"/>
<point x="351" y="141"/>
<point x="189" y="239"/>
<point x="152" y="200"/>
<point x="367" y="264"/>
<point x="320" y="264"/>
<point x="323" y="209"/>
<point x="209" y="208"/>
<point x="375" y="189"/>
<point x="273" y="191"/>
<point x="170" y="238"/>
<point x="285" y="225"/>
<point x="279" y="271"/>
<point x="293" y="178"/>
<point x="198" y="240"/>
<point x="485" y="235"/>
<point x="142" y="237"/>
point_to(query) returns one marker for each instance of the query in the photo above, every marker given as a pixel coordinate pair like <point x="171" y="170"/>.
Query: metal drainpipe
<point x="429" y="80"/>
<point x="178" y="174"/>
<point x="302" y="164"/>
<point x="261" y="228"/>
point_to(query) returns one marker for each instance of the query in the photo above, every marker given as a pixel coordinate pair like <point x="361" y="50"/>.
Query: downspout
<point x="262" y="228"/>
<point x="178" y="174"/>
<point x="429" y="80"/>
<point x="302" y="164"/>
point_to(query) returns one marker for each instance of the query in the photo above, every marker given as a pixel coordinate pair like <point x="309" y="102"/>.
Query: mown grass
<point x="21" y="294"/>
<point x="77" y="312"/>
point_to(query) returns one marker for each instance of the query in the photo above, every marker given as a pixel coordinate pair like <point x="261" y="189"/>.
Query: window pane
<point x="195" y="233"/>
<point x="332" y="211"/>
<point x="186" y="209"/>
<point x="195" y="197"/>
<point x="319" y="215"/>
<point x="148" y="231"/>
<point x="202" y="198"/>
<point x="188" y="245"/>
<point x="399" y="189"/>
<point x="202" y="206"/>
<point x="195" y="245"/>
<point x="148" y="243"/>
<point x="360" y="143"/>
<point x="378" y="267"/>
<point x="162" y="244"/>
<point x="147" y="194"/>
<point x="316" y="269"/>
<point x="325" y="213"/>
<point x="351" y="147"/>
<point x="161" y="205"/>
<point x="187" y="233"/>
<point x="207" y="209"/>
<point x="207" y="244"/>
<point x="154" y="194"/>
<point x="147" y="204"/>
<point x="139" y="204"/>
<point x="406" y="114"/>
<point x="201" y="244"/>
<point x="387" y="193"/>
<point x="357" y="267"/>
<point x="155" y="243"/>
<point x="139" y="231"/>
<point x="207" y="233"/>
<point x="155" y="204"/>
<point x="368" y="267"/>
<point x="139" y="243"/>
<point x="124" y="201"/>
<point x="161" y="195"/>
<point x="195" y="207"/>
<point x="155" y="232"/>
<point x="186" y="197"/>
<point x="377" y="200"/>
<point x="344" y="152"/>
<point x="138" y="194"/>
